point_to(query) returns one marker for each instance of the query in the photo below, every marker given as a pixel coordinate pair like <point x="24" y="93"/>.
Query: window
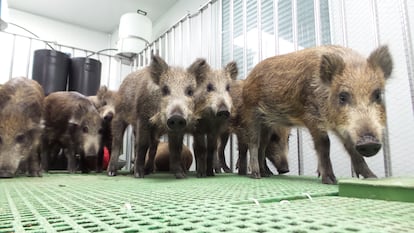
<point x="248" y="29"/>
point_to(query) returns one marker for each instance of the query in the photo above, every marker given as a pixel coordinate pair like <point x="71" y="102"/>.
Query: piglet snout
<point x="108" y="117"/>
<point x="223" y="112"/>
<point x="368" y="145"/>
<point x="176" y="122"/>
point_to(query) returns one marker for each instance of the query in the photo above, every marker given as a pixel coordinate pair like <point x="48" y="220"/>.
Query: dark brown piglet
<point x="104" y="101"/>
<point x="213" y="107"/>
<point x="21" y="104"/>
<point x="155" y="100"/>
<point x="277" y="147"/>
<point x="73" y="123"/>
<point x="323" y="88"/>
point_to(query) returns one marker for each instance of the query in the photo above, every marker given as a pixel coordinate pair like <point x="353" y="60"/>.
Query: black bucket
<point x="50" y="70"/>
<point x="85" y="75"/>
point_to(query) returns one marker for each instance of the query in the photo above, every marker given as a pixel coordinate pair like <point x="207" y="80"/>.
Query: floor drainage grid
<point x="159" y="203"/>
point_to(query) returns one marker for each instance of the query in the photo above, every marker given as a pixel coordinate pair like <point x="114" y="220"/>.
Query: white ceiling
<point x="99" y="15"/>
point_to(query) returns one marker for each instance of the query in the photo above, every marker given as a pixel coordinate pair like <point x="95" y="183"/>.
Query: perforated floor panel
<point x="160" y="203"/>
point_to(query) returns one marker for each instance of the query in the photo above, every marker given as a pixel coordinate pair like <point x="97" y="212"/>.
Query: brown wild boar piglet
<point x="323" y="88"/>
<point x="155" y="100"/>
<point x="21" y="104"/>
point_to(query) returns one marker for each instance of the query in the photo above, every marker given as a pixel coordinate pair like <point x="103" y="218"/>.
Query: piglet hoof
<point x="180" y="175"/>
<point x="210" y="173"/>
<point x="328" y="179"/>
<point x="111" y="173"/>
<point x="266" y="174"/>
<point x="201" y="174"/>
<point x="255" y="175"/>
<point x="148" y="170"/>
<point x="283" y="171"/>
<point x="226" y="169"/>
<point x="372" y="175"/>
<point x="366" y="173"/>
<point x="138" y="175"/>
<point x="35" y="174"/>
<point x="217" y="170"/>
<point x="242" y="172"/>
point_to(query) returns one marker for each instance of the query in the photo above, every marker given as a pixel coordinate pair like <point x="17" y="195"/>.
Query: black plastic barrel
<point x="50" y="70"/>
<point x="85" y="75"/>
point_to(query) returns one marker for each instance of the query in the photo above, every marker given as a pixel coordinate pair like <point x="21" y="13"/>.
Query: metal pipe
<point x="29" y="55"/>
<point x="220" y="30"/>
<point x="386" y="142"/>
<point x="344" y="26"/>
<point x="259" y="30"/>
<point x="295" y="25"/>
<point x="295" y="47"/>
<point x="209" y="32"/>
<point x="231" y="35"/>
<point x="109" y="71"/>
<point x="45" y="41"/>
<point x="12" y="58"/>
<point x="183" y="55"/>
<point x="276" y="25"/>
<point x="188" y="38"/>
<point x="408" y="46"/>
<point x="244" y="37"/>
<point x="201" y="32"/>
<point x="172" y="57"/>
<point x="317" y="16"/>
<point x="166" y="47"/>
<point x="345" y="43"/>
<point x="160" y="47"/>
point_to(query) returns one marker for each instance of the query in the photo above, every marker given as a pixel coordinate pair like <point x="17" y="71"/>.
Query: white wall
<point x="177" y="12"/>
<point x="62" y="33"/>
<point x="19" y="63"/>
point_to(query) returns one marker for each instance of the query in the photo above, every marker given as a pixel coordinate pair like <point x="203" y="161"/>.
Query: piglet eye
<point x="20" y="138"/>
<point x="228" y="87"/>
<point x="344" y="98"/>
<point x="376" y="96"/>
<point x="165" y="90"/>
<point x="210" y="87"/>
<point x="104" y="103"/>
<point x="85" y="129"/>
<point x="189" y="91"/>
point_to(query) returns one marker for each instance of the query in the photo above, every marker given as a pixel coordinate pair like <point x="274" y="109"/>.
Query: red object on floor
<point x="106" y="157"/>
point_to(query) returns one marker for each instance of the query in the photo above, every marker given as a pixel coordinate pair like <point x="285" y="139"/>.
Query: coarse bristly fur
<point x="72" y="123"/>
<point x="21" y="103"/>
<point x="276" y="149"/>
<point x="323" y="88"/>
<point x="213" y="106"/>
<point x="104" y="101"/>
<point x="155" y="100"/>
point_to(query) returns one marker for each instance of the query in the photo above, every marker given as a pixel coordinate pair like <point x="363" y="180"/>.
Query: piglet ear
<point x="157" y="67"/>
<point x="381" y="57"/>
<point x="331" y="65"/>
<point x="231" y="68"/>
<point x="102" y="90"/>
<point x="199" y="69"/>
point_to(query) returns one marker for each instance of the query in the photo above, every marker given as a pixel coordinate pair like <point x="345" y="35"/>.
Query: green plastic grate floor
<point x="160" y="203"/>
